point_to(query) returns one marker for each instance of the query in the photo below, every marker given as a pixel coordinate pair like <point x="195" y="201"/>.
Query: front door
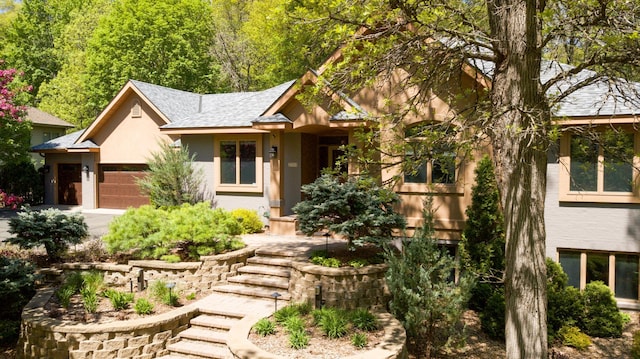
<point x="70" y="183"/>
<point x="329" y="153"/>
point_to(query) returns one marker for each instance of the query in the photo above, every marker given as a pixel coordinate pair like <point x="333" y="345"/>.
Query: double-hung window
<point x="239" y="163"/>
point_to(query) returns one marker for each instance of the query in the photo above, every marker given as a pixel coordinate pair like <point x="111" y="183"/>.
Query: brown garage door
<point x="117" y="186"/>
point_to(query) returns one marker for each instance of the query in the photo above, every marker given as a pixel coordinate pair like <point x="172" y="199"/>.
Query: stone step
<point x="204" y="335"/>
<point x="270" y="261"/>
<point x="264" y="270"/>
<point x="223" y="314"/>
<point x="260" y="281"/>
<point x="213" y="322"/>
<point x="199" y="349"/>
<point x="277" y="252"/>
<point x="251" y="291"/>
<point x="175" y="356"/>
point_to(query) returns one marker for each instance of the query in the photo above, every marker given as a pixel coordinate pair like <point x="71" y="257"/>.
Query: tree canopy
<point x="14" y="130"/>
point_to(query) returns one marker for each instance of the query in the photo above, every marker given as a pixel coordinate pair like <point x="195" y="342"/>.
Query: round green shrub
<point x="249" y="220"/>
<point x="602" y="317"/>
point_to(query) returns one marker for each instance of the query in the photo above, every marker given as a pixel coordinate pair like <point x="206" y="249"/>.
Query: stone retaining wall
<point x="189" y="276"/>
<point x="346" y="288"/>
<point x="44" y="337"/>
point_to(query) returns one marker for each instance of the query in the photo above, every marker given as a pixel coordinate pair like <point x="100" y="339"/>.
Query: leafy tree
<point x="424" y="297"/>
<point x="432" y="42"/>
<point x="15" y="131"/>
<point x="49" y="228"/>
<point x="172" y="179"/>
<point x="23" y="180"/>
<point x="356" y="208"/>
<point x="163" y="42"/>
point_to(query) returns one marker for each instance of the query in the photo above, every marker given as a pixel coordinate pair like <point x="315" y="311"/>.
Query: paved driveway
<point x="97" y="219"/>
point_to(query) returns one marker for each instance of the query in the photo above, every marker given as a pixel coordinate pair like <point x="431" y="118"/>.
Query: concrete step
<point x="270" y="261"/>
<point x="199" y="349"/>
<point x="251" y="291"/>
<point x="260" y="281"/>
<point x="175" y="356"/>
<point x="265" y="270"/>
<point x="213" y="322"/>
<point x="204" y="335"/>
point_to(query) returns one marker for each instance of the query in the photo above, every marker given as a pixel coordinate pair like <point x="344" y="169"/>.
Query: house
<point x="257" y="149"/>
<point x="44" y="127"/>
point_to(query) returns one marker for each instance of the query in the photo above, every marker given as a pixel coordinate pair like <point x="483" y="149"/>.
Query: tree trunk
<point x="520" y="121"/>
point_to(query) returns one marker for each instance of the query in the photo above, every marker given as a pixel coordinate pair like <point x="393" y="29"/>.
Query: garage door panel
<point x="117" y="187"/>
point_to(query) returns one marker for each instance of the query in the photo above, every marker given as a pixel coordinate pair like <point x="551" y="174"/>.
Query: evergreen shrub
<point x="17" y="287"/>
<point x="48" y="227"/>
<point x="602" y="318"/>
<point x="565" y="306"/>
<point x="188" y="231"/>
<point x="571" y="336"/>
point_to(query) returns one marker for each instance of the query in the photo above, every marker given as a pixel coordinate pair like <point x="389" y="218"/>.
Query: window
<point x="239" y="166"/>
<point x="617" y="270"/>
<point x="599" y="168"/>
<point x="437" y="166"/>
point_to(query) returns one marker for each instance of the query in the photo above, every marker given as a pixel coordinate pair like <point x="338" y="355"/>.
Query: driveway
<point x="97" y="219"/>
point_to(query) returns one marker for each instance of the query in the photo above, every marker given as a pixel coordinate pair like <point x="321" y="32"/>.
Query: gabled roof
<point x="238" y="109"/>
<point x="173" y="104"/>
<point x="39" y="117"/>
<point x="59" y="143"/>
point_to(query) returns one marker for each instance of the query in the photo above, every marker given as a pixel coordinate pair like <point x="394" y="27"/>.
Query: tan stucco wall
<point x="124" y="139"/>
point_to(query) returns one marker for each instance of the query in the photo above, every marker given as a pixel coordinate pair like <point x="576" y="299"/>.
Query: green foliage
<point x="492" y="318"/>
<point x="265" y="327"/>
<point x="424" y="299"/>
<point x="93" y="281"/>
<point x="565" y="303"/>
<point x="357" y="208"/>
<point x="293" y="324"/>
<point x="358" y="263"/>
<point x="303" y="308"/>
<point x="285" y="313"/>
<point x="74" y="280"/>
<point x="359" y="340"/>
<point x="572" y="336"/>
<point x="17" y="286"/>
<point x="119" y="300"/>
<point x="171" y="258"/>
<point x="188" y="231"/>
<point x="23" y="180"/>
<point x="64" y="295"/>
<point x="89" y="299"/>
<point x="49" y="227"/>
<point x="191" y="296"/>
<point x="16" y="132"/>
<point x="321" y="260"/>
<point x="169" y="42"/>
<point x="333" y="323"/>
<point x="249" y="220"/>
<point x="602" y="317"/>
<point x="299" y="339"/>
<point x="161" y="292"/>
<point x="143" y="307"/>
<point x="172" y="179"/>
<point x="635" y="346"/>
<point x="363" y="319"/>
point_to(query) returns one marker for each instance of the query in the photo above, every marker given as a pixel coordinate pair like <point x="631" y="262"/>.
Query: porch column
<point x="276" y="182"/>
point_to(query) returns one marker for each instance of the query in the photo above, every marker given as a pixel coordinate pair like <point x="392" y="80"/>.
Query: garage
<point x="117" y="187"/>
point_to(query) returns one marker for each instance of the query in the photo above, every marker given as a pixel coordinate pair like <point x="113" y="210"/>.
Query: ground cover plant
<point x="185" y="232"/>
<point x="302" y="325"/>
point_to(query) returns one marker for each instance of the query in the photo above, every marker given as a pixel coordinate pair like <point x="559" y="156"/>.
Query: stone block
<point x="152" y="348"/>
<point x="105" y="354"/>
<point x="162" y="336"/>
<point x="138" y="341"/>
<point x="143" y="356"/>
<point x="90" y="345"/>
<point x="114" y="344"/>
<point x="129" y="352"/>
<point x="80" y="354"/>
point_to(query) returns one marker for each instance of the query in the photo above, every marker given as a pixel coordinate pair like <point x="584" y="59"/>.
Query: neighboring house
<point x="258" y="148"/>
<point x="44" y="127"/>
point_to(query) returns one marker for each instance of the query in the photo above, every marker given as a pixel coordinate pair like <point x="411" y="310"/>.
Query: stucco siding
<point x="292" y="171"/>
<point x="588" y="226"/>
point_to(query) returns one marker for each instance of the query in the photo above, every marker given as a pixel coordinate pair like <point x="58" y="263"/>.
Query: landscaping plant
<point x="424" y="298"/>
<point x="172" y="179"/>
<point x="602" y="318"/>
<point x="119" y="300"/>
<point x="571" y="336"/>
<point x="359" y="340"/>
<point x="17" y="287"/>
<point x="299" y="340"/>
<point x="48" y="227"/>
<point x="249" y="220"/>
<point x="364" y="320"/>
<point x="143" y="307"/>
<point x="265" y="327"/>
<point x="355" y="207"/>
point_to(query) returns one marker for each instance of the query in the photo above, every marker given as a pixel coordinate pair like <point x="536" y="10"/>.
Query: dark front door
<point x="69" y="183"/>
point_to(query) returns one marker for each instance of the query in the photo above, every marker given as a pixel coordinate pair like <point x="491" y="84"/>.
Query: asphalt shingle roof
<point x="59" y="143"/>
<point x="174" y="104"/>
<point x="40" y="117"/>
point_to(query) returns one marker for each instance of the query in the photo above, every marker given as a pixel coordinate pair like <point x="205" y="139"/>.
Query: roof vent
<point x="135" y="110"/>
